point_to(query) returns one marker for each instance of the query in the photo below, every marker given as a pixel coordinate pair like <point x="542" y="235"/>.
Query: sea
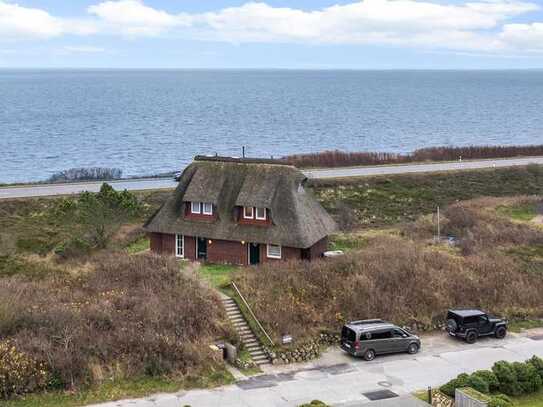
<point x="148" y="122"/>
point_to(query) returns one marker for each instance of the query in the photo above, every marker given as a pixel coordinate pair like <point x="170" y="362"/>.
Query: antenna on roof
<point x="243" y="151"/>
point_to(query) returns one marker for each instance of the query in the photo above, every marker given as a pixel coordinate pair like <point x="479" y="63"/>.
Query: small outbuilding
<point x="241" y="211"/>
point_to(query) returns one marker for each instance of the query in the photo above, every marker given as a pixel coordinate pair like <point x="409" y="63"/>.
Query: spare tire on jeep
<point x="452" y="326"/>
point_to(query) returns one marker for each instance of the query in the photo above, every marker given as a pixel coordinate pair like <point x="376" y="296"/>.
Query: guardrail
<point x="252" y="313"/>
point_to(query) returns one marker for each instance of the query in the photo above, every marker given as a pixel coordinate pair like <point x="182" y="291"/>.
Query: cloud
<point x="132" y="17"/>
<point x="17" y="21"/>
<point x="479" y="26"/>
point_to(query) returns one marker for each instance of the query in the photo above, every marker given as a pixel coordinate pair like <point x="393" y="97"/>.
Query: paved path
<point x="342" y="381"/>
<point x="166" y="183"/>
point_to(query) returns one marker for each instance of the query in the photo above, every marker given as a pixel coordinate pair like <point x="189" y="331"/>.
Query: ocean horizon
<point x="149" y="121"/>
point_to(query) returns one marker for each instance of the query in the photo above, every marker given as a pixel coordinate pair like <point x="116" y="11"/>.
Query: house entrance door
<point x="254" y="253"/>
<point x="201" y="248"/>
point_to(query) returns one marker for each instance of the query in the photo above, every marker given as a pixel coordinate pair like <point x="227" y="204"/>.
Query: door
<point x="400" y="340"/>
<point x="485" y="326"/>
<point x="201" y="248"/>
<point x="381" y="341"/>
<point x="254" y="253"/>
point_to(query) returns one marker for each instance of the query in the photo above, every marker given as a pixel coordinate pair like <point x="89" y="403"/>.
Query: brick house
<point x="240" y="211"/>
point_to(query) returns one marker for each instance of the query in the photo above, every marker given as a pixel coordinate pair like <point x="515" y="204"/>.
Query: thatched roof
<point x="298" y="220"/>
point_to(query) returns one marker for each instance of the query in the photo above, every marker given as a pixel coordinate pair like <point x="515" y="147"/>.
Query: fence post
<point x="430" y="395"/>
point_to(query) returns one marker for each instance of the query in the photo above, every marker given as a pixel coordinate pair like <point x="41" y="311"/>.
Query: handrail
<point x="252" y="313"/>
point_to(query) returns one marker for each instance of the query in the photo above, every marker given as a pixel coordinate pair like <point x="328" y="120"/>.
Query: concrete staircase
<point x="248" y="338"/>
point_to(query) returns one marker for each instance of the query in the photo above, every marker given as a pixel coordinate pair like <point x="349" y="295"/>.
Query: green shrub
<point x="314" y="403"/>
<point x="527" y="376"/>
<point x="450" y="387"/>
<point x="537" y="363"/>
<point x="478" y="383"/>
<point x="507" y="377"/>
<point x="73" y="248"/>
<point x="19" y="373"/>
<point x="490" y="378"/>
<point x="500" y="400"/>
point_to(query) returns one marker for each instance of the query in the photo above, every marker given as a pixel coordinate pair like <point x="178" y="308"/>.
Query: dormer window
<point x="203" y="208"/>
<point x="248" y="212"/>
<point x="196" y="207"/>
<point x="260" y="213"/>
<point x="251" y="212"/>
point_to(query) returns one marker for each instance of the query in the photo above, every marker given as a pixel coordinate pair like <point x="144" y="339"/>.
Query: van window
<point x="382" y="335"/>
<point x="348" y="334"/>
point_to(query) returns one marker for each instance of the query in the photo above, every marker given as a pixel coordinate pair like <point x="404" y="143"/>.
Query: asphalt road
<point x="166" y="183"/>
<point x="342" y="381"/>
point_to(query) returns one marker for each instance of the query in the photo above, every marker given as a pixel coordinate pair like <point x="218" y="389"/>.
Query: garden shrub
<point x="490" y="378"/>
<point x="537" y="363"/>
<point x="507" y="377"/>
<point x="478" y="383"/>
<point x="459" y="382"/>
<point x="19" y="373"/>
<point x="500" y="400"/>
<point x="527" y="376"/>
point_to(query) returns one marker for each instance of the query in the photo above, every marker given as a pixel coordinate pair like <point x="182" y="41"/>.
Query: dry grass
<point x="345" y="159"/>
<point x="405" y="279"/>
<point x="128" y="317"/>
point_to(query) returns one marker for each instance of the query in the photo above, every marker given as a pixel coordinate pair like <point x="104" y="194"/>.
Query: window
<point x="248" y="212"/>
<point x="195" y="207"/>
<point x="274" y="251"/>
<point x="261" y="213"/>
<point x="382" y="335"/>
<point x="398" y="333"/>
<point x="179" y="246"/>
<point x="207" y="208"/>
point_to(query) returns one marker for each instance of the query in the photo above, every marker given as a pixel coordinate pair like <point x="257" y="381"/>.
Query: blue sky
<point x="355" y="34"/>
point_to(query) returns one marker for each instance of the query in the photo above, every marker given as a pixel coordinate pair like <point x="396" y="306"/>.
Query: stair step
<point x="253" y="346"/>
<point x="257" y="353"/>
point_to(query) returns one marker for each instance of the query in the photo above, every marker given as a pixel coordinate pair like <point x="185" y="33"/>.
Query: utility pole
<point x="243" y="151"/>
<point x="438" y="226"/>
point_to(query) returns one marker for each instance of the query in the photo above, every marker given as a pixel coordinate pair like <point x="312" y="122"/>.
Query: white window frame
<point x="192" y="205"/>
<point x="245" y="212"/>
<point x="260" y="217"/>
<point x="210" y="212"/>
<point x="271" y="255"/>
<point x="180" y="238"/>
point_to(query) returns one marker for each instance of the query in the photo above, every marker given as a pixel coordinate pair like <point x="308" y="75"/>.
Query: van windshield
<point x="348" y="334"/>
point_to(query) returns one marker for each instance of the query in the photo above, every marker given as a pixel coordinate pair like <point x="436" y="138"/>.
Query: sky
<point x="297" y="34"/>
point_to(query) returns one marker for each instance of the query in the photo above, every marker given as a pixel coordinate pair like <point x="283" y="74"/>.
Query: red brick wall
<point x="226" y="251"/>
<point x="318" y="248"/>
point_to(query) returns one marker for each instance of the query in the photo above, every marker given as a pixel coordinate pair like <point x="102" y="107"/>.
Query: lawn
<point x="533" y="400"/>
<point x="219" y="275"/>
<point x="523" y="212"/>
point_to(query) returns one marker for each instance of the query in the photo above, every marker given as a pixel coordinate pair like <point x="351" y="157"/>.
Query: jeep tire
<point x="500" y="333"/>
<point x="471" y="337"/>
<point x="452" y="326"/>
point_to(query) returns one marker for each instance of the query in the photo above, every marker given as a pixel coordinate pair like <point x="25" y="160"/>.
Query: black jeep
<point x="469" y="324"/>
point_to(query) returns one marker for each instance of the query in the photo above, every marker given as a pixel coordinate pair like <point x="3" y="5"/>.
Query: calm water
<point x="147" y="122"/>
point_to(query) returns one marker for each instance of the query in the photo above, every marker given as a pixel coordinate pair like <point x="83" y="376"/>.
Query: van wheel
<point x="471" y="337"/>
<point x="369" y="355"/>
<point x="500" y="333"/>
<point x="413" y="348"/>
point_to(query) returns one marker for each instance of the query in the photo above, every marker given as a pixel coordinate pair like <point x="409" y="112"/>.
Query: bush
<point x="490" y="378"/>
<point x="122" y="319"/>
<point x="86" y="174"/>
<point x="500" y="400"/>
<point x="537" y="363"/>
<point x="478" y="383"/>
<point x="507" y="377"/>
<point x="19" y="373"/>
<point x="450" y="387"/>
<point x="528" y="377"/>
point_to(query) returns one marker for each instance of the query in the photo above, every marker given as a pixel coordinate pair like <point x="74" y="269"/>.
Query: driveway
<point x="25" y="191"/>
<point x="342" y="381"/>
